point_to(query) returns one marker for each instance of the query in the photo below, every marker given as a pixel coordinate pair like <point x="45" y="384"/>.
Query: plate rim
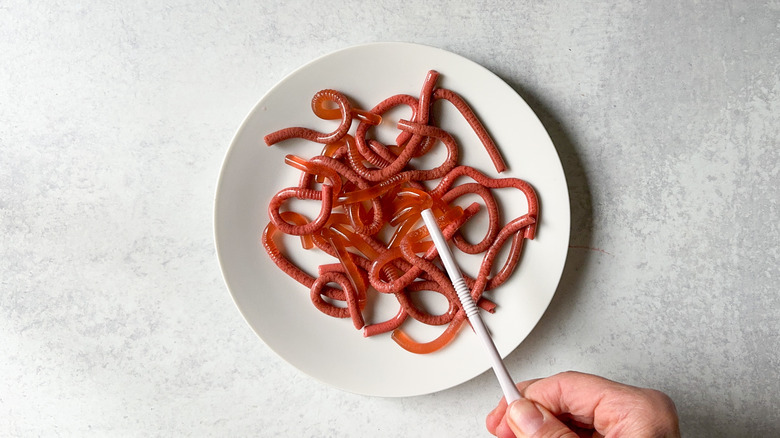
<point x="257" y="107"/>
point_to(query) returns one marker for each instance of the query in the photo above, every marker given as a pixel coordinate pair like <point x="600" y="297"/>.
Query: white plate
<point x="279" y="309"/>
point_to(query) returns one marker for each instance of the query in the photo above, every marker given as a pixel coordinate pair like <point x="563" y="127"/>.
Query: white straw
<point x="506" y="382"/>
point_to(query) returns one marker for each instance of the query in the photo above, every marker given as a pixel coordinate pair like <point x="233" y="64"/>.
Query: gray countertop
<point x="115" y="118"/>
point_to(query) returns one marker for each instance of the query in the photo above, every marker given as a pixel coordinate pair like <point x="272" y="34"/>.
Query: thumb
<point x="528" y="420"/>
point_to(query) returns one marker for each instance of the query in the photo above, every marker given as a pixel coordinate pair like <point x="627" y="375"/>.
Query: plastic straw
<point x="464" y="294"/>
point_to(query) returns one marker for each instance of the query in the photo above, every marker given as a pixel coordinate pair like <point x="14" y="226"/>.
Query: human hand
<point x="572" y="404"/>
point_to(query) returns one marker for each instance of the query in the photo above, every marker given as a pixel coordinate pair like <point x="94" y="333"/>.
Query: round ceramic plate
<point x="279" y="309"/>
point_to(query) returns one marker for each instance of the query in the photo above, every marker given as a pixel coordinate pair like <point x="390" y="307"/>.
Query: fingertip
<point x="503" y="430"/>
<point x="524" y="417"/>
<point x="494" y="417"/>
<point x="491" y="421"/>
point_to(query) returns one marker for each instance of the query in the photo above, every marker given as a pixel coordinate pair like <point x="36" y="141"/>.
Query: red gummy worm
<point x="369" y="196"/>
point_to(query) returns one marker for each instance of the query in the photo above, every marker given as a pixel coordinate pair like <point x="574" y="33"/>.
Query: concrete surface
<point x="114" y="119"/>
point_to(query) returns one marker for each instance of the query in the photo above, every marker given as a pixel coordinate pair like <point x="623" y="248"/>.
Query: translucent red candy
<point x="370" y="197"/>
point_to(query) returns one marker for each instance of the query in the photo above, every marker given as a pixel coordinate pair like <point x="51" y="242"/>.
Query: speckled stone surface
<point x="115" y="117"/>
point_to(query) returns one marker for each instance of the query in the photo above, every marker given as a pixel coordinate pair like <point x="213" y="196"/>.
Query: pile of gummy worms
<point x="364" y="186"/>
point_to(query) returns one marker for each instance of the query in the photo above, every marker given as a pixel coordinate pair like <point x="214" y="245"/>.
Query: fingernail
<point x="524" y="416"/>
